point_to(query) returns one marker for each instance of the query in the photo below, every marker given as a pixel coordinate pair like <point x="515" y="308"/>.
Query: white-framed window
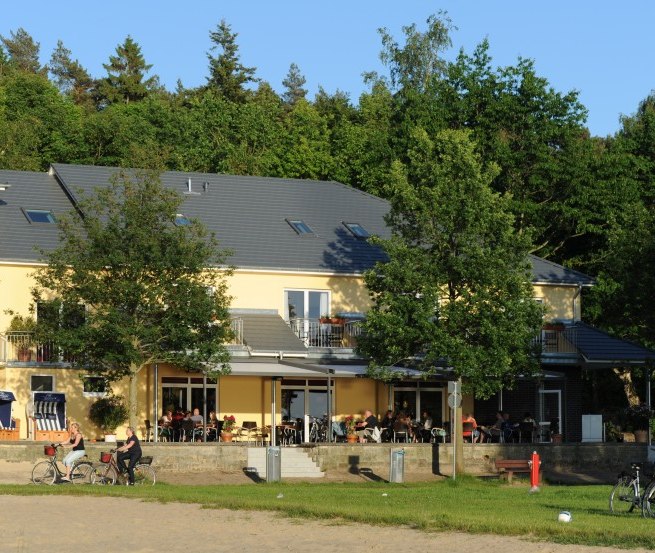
<point x="306" y="304"/>
<point x="94" y="386"/>
<point x="42" y="383"/>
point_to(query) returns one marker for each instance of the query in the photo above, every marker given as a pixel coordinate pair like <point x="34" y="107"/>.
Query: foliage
<point x="108" y="413"/>
<point x="21" y="323"/>
<point x="638" y="416"/>
<point x="153" y="291"/>
<point x="229" y="422"/>
<point x="351" y="424"/>
<point x="456" y="290"/>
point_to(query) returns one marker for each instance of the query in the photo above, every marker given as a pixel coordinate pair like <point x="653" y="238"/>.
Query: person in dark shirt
<point x="132" y="451"/>
<point x="365" y="428"/>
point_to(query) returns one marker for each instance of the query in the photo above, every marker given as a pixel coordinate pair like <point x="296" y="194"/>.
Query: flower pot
<point x="226" y="436"/>
<point x="351" y="438"/>
<point x="24" y="355"/>
<point x="641" y="436"/>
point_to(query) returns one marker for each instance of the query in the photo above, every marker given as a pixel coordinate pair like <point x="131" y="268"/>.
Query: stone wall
<point x="339" y="458"/>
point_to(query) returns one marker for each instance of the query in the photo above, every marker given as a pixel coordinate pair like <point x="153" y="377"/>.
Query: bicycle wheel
<point x="648" y="502"/>
<point x="82" y="473"/>
<point x="144" y="475"/>
<point x="43" y="473"/>
<point x="104" y="475"/>
<point x="624" y="496"/>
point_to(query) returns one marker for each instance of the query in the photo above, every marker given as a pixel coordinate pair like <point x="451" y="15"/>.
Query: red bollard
<point x="535" y="465"/>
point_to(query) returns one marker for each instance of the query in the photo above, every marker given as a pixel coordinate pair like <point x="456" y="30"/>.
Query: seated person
<point x="402" y="424"/>
<point x="386" y="426"/>
<point x="365" y="428"/>
<point x="425" y="430"/>
<point x="492" y="432"/>
<point x="166" y="425"/>
<point x="473" y="434"/>
<point x="508" y="429"/>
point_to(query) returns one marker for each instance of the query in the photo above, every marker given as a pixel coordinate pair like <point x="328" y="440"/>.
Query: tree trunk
<point x="625" y="375"/>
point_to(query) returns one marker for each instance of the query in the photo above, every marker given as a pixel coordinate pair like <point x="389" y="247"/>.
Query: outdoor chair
<point x="437" y="433"/>
<point x="400" y="433"/>
<point x="526" y="432"/>
<point x="467" y="431"/>
<point x="147" y="435"/>
<point x="338" y="431"/>
<point x="248" y="431"/>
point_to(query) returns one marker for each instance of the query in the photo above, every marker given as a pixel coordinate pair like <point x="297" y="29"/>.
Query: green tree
<point x="23" y="52"/>
<point x="293" y="84"/>
<point x="226" y="72"/>
<point x="126" y="76"/>
<point x="153" y="291"/>
<point x="456" y="290"/>
<point x="70" y="77"/>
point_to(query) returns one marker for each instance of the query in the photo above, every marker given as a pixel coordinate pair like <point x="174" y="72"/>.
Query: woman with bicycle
<point x="132" y="451"/>
<point x="76" y="441"/>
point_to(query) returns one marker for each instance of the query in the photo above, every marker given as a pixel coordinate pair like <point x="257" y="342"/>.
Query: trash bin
<point x="397" y="466"/>
<point x="273" y="463"/>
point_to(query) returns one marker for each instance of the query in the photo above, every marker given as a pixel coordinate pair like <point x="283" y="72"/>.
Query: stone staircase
<point x="295" y="463"/>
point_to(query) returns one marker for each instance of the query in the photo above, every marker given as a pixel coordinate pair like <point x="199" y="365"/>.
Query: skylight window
<point x="358" y="230"/>
<point x="40" y="216"/>
<point x="182" y="221"/>
<point x="300" y="226"/>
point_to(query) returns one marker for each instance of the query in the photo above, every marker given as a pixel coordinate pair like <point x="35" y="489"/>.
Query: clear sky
<point x="602" y="48"/>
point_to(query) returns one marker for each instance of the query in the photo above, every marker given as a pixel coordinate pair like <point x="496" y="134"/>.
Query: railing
<point x="557" y="340"/>
<point x="315" y="333"/>
<point x="237" y="331"/>
<point x="21" y="347"/>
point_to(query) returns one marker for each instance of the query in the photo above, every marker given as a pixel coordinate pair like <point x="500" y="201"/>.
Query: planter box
<point x="50" y="435"/>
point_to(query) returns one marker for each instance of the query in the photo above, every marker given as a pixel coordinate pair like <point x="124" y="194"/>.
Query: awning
<point x="49" y="397"/>
<point x="336" y="370"/>
<point x="268" y="333"/>
<point x="273" y="369"/>
<point x="6" y="396"/>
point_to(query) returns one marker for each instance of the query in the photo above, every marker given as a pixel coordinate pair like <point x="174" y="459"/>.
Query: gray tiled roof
<point x="19" y="238"/>
<point x="598" y="347"/>
<point x="247" y="214"/>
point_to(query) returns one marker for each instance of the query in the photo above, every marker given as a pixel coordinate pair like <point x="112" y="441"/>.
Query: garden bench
<point x="510" y="466"/>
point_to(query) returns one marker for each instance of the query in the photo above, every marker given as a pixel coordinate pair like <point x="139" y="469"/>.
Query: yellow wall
<point x="559" y="301"/>
<point x="15" y="284"/>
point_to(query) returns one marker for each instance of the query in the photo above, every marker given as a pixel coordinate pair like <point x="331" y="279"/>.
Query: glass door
<point x="550" y="408"/>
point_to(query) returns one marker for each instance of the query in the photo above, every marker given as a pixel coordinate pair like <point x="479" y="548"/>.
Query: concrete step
<point x="295" y="463"/>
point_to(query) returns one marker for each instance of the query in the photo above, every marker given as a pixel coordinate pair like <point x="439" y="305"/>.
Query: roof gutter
<point x="279" y="355"/>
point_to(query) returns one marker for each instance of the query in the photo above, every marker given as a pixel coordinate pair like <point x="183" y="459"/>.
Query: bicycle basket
<point x="49" y="450"/>
<point x="145" y="461"/>
<point x="105" y="457"/>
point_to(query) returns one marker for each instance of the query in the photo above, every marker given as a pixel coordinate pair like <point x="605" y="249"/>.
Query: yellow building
<point x="300" y="251"/>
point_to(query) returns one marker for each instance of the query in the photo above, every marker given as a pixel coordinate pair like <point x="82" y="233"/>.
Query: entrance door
<point x="550" y="407"/>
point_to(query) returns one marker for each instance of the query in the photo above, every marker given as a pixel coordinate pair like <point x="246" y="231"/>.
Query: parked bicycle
<point x="109" y="473"/>
<point x="627" y="492"/>
<point x="318" y="430"/>
<point x="48" y="472"/>
<point x="648" y="501"/>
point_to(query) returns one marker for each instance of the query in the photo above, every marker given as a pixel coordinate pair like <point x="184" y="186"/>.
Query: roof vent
<point x="205" y="186"/>
<point x="4" y="186"/>
<point x="188" y="185"/>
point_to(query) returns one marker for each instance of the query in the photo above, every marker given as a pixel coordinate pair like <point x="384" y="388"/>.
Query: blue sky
<point x="601" y="48"/>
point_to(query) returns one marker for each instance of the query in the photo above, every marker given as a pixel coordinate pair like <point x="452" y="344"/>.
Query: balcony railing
<point x="315" y="333"/>
<point x="20" y="347"/>
<point x="557" y="339"/>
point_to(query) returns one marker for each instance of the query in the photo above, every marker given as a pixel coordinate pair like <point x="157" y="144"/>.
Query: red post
<point x="535" y="465"/>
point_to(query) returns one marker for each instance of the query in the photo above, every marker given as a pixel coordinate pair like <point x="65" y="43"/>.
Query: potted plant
<point x="107" y="414"/>
<point x="351" y="427"/>
<point x="638" y="416"/>
<point x="21" y="335"/>
<point x="555" y="436"/>
<point x="229" y="423"/>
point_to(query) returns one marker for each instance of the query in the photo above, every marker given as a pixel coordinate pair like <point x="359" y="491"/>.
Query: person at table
<point x="197" y="417"/>
<point x="425" y="430"/>
<point x="130" y="450"/>
<point x="403" y="424"/>
<point x="212" y="425"/>
<point x="386" y="426"/>
<point x="166" y="425"/>
<point x="364" y="429"/>
<point x="508" y="428"/>
<point x="474" y="433"/>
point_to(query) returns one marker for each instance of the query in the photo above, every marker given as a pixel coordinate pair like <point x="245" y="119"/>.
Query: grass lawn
<point x="468" y="505"/>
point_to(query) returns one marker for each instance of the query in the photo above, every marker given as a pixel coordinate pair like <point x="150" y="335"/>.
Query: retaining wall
<point x="419" y="458"/>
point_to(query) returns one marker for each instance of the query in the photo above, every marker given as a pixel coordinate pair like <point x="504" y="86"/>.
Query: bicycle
<point x="109" y="474"/>
<point x="627" y="493"/>
<point x="48" y="472"/>
<point x="648" y="501"/>
<point x="318" y="430"/>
